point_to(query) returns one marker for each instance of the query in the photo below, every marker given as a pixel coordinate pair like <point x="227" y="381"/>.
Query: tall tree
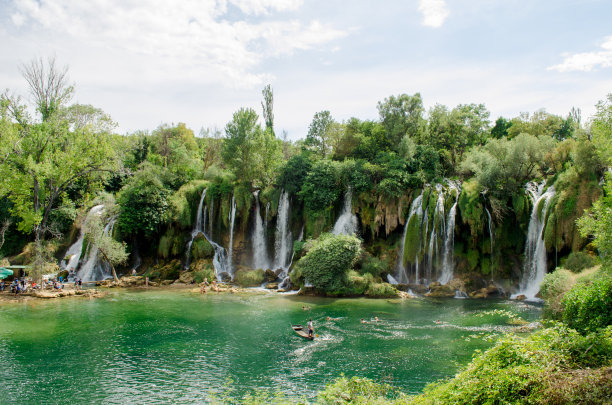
<point x="402" y="115"/>
<point x="239" y="149"/>
<point x="268" y="107"/>
<point x="318" y="137"/>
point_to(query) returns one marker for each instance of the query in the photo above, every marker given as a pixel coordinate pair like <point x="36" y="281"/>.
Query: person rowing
<point x="310" y="328"/>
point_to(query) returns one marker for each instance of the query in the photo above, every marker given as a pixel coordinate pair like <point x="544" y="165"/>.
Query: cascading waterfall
<point x="94" y="268"/>
<point x="448" y="259"/>
<point x="401" y="275"/>
<point x="283" y="242"/>
<point x="534" y="265"/>
<point x="346" y="224"/>
<point x="211" y="216"/>
<point x="74" y="251"/>
<point x="232" y="220"/>
<point x="260" y="248"/>
<point x="219" y="258"/>
<point x="433" y="238"/>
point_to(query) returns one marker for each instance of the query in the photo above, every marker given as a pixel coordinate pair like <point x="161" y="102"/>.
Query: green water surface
<point x="179" y="347"/>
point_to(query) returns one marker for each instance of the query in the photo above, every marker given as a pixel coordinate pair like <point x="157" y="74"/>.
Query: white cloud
<point x="191" y="41"/>
<point x="586" y="61"/>
<point x="434" y="12"/>
<point x="258" y="7"/>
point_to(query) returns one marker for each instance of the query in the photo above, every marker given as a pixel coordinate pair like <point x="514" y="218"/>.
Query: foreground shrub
<point x="518" y="370"/>
<point x="328" y="260"/>
<point x="355" y="391"/>
<point x="588" y="306"/>
<point x="553" y="288"/>
<point x="578" y="261"/>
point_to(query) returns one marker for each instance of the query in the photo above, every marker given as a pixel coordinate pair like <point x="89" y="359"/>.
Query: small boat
<point x="299" y="329"/>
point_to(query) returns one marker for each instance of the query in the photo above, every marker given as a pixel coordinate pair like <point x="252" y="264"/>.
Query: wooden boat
<point x="299" y="329"/>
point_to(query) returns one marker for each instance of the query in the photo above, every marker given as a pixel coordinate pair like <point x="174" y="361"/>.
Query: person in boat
<point x="310" y="328"/>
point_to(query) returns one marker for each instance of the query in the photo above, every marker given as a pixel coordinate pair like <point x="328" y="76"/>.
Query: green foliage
<point x="553" y="288"/>
<point x="143" y="204"/>
<point x="402" y="115"/>
<point x="588" y="305"/>
<point x="518" y="370"/>
<point x="201" y="248"/>
<point x="318" y="137"/>
<point x="578" y="261"/>
<point x="355" y="391"/>
<point x="175" y="149"/>
<point x="503" y="166"/>
<point x="374" y="266"/>
<point x="471" y="207"/>
<point x="183" y="204"/>
<point x="381" y="290"/>
<point x="202" y="268"/>
<point x="328" y="259"/>
<point x="597" y="222"/>
<point x="249" y="278"/>
<point x="294" y="173"/>
<point x="165" y="271"/>
<point x="171" y="244"/>
<point x="601" y="129"/>
<point x="320" y="189"/>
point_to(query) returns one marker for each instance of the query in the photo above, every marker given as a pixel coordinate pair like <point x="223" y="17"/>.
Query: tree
<point x="402" y="115"/>
<point x="500" y="130"/>
<point x="318" y="133"/>
<point x="268" y="105"/>
<point x="41" y="161"/>
<point x="49" y="85"/>
<point x="113" y="252"/>
<point x="239" y="149"/>
<point x="143" y="203"/>
<point x="601" y="129"/>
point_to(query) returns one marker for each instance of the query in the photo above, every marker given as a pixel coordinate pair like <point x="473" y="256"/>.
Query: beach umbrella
<point x="4" y="273"/>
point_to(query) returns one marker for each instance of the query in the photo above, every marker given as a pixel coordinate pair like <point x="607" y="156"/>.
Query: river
<point x="179" y="347"/>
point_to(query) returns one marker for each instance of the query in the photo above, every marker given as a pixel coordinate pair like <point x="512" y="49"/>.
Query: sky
<point x="150" y="62"/>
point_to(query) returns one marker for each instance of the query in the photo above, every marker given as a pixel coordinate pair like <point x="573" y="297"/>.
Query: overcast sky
<point x="150" y="62"/>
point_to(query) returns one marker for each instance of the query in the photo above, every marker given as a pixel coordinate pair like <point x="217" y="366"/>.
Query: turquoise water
<point x="160" y="346"/>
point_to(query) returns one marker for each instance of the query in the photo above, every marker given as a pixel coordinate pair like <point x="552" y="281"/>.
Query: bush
<point x="355" y="391"/>
<point x="328" y="259"/>
<point x="374" y="266"/>
<point x="201" y="248"/>
<point x="202" y="269"/>
<point x="588" y="305"/>
<point x="578" y="261"/>
<point x="553" y="288"/>
<point x="381" y="290"/>
<point x="249" y="278"/>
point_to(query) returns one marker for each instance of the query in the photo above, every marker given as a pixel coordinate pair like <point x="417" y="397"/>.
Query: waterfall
<point x="534" y="265"/>
<point x="432" y="237"/>
<point x="219" y="259"/>
<point x="448" y="258"/>
<point x="347" y="221"/>
<point x="401" y="275"/>
<point x="283" y="242"/>
<point x="95" y="269"/>
<point x="211" y="215"/>
<point x="74" y="251"/>
<point x="490" y="230"/>
<point x="260" y="248"/>
<point x="232" y="220"/>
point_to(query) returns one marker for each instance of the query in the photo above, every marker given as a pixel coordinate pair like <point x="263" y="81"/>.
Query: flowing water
<point x="178" y="347"/>
<point x="260" y="248"/>
<point x="283" y="243"/>
<point x="346" y="224"/>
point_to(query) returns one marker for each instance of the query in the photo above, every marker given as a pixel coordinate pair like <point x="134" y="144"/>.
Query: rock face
<point x="249" y="278"/>
<point x="186" y="277"/>
<point x="270" y="276"/>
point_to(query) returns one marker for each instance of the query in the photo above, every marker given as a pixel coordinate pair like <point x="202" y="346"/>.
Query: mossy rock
<point x="441" y="291"/>
<point x="165" y="271"/>
<point x="201" y="248"/>
<point x="171" y="244"/>
<point x="63" y="274"/>
<point x="202" y="268"/>
<point x="252" y="278"/>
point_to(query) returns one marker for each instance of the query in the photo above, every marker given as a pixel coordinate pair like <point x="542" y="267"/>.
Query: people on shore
<point x="204" y="285"/>
<point x="2" y="285"/>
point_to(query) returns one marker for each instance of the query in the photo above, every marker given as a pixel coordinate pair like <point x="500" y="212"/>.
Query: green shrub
<point x="374" y="266"/>
<point x="381" y="290"/>
<point x="553" y="288"/>
<point x="588" y="305"/>
<point x="208" y="273"/>
<point x="578" y="261"/>
<point x="249" y="278"/>
<point x="355" y="391"/>
<point x="328" y="259"/>
<point x="165" y="271"/>
<point x="201" y="248"/>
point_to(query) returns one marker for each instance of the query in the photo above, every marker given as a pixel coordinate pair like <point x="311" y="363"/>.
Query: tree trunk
<point x="111" y="264"/>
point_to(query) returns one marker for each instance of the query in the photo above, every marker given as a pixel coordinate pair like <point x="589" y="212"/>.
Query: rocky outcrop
<point x="436" y="290"/>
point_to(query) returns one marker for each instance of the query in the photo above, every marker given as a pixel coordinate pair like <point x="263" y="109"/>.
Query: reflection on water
<point x="177" y="347"/>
